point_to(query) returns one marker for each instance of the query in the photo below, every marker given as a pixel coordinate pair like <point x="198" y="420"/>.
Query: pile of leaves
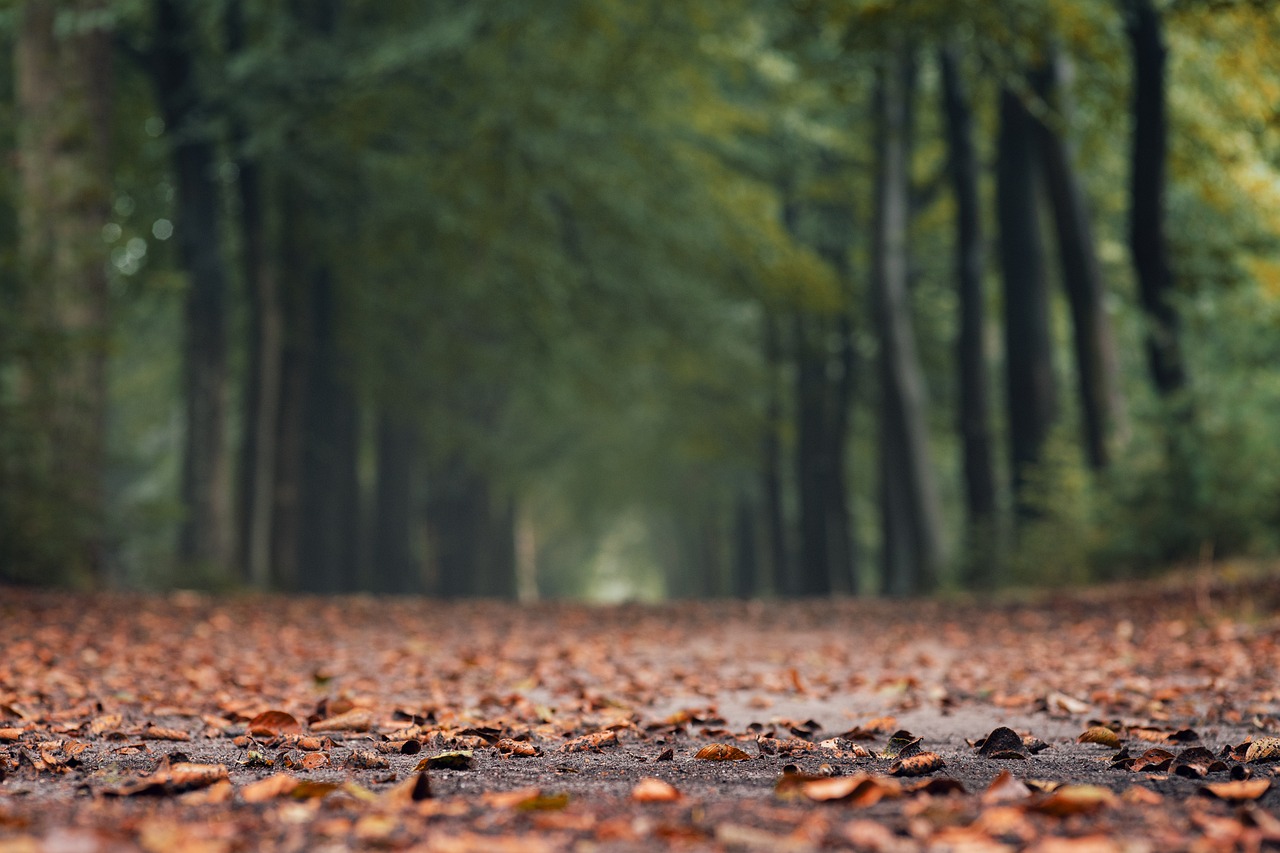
<point x="1138" y="718"/>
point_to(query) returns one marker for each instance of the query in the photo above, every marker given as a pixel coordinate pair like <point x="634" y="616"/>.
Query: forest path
<point x="291" y="723"/>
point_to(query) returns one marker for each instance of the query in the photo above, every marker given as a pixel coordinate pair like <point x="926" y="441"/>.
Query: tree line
<point x="474" y="298"/>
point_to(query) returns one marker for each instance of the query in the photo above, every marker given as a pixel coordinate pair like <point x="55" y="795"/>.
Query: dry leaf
<point x="594" y="742"/>
<point x="458" y="760"/>
<point x="1075" y="799"/>
<point x="1002" y="743"/>
<point x="1238" y="791"/>
<point x="1005" y="788"/>
<point x="364" y="759"/>
<point x="858" y="790"/>
<point x="269" y="788"/>
<point x="1262" y="750"/>
<point x="917" y="765"/>
<point x="651" y="790"/>
<point x="270" y="723"/>
<point x="355" y="720"/>
<point x="158" y="733"/>
<point x="1100" y="735"/>
<point x="507" y="746"/>
<point x="721" y="752"/>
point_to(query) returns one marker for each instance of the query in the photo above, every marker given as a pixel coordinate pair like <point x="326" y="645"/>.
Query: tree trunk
<point x="1147" y="190"/>
<point x="812" y="458"/>
<point x="330" y="506"/>
<point x="206" y="488"/>
<point x="744" y="582"/>
<point x="261" y="393"/>
<point x="911" y="515"/>
<point x="64" y="102"/>
<point x="982" y="548"/>
<point x="1030" y="383"/>
<point x="775" y="512"/>
<point x="1097" y="371"/>
<point x="393" y="567"/>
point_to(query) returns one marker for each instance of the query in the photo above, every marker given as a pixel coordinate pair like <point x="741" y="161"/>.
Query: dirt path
<point x="186" y="722"/>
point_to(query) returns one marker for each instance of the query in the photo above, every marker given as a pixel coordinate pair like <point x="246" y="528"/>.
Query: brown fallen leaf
<point x="11" y="734"/>
<point x="354" y="720"/>
<point x="1138" y="795"/>
<point x="159" y="733"/>
<point x="651" y="790"/>
<point x="1239" y="791"/>
<point x="1074" y="799"/>
<point x="721" y="752"/>
<point x="412" y="790"/>
<point x="1005" y="788"/>
<point x="1262" y="750"/>
<point x="1100" y="735"/>
<point x="508" y="746"/>
<point x="364" y="759"/>
<point x="1196" y="763"/>
<point x="313" y="761"/>
<point x="271" y="723"/>
<point x="861" y="789"/>
<point x="1002" y="743"/>
<point x="594" y="742"/>
<point x="269" y="788"/>
<point x="902" y="744"/>
<point x="919" y="764"/>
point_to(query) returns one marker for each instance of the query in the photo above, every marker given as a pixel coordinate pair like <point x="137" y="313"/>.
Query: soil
<point x="141" y="722"/>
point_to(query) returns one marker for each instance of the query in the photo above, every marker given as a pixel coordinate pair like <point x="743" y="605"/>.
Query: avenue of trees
<point x="605" y="297"/>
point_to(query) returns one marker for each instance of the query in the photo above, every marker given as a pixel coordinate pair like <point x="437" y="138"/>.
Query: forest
<point x="636" y="300"/>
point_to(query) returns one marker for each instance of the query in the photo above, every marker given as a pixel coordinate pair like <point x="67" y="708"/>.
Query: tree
<point x="207" y="531"/>
<point x="1097" y="371"/>
<point x="982" y="548"/>
<point x="1029" y="376"/>
<point x="64" y="109"/>
<point x="912" y="550"/>
<point x="1147" y="240"/>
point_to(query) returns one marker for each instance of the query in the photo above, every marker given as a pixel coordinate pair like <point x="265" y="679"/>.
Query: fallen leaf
<point x="1196" y="763"/>
<point x="651" y="790"/>
<point x="1239" y="791"/>
<point x="544" y="802"/>
<point x="594" y="742"/>
<point x="1002" y="743"/>
<point x="721" y="752"/>
<point x="508" y="746"/>
<point x="859" y="790"/>
<point x="1005" y="788"/>
<point x="269" y="788"/>
<point x="460" y="760"/>
<point x="902" y="744"/>
<point x="354" y="720"/>
<point x="363" y="759"/>
<point x="270" y="723"/>
<point x="918" y="764"/>
<point x="1262" y="750"/>
<point x="1075" y="799"/>
<point x="158" y="733"/>
<point x="1100" y="735"/>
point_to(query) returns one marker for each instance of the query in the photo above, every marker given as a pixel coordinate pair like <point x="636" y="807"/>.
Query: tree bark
<point x="64" y="88"/>
<point x="982" y="547"/>
<point x="911" y="514"/>
<point x="393" y="569"/>
<point x="330" y="500"/>
<point x="1030" y="383"/>
<point x="812" y="458"/>
<point x="744" y="581"/>
<point x="1098" y="379"/>
<point x="206" y="535"/>
<point x="261" y="392"/>
<point x="1147" y="240"/>
<point x="779" y="564"/>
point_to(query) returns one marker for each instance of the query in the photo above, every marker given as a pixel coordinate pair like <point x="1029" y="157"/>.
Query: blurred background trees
<point x="625" y="299"/>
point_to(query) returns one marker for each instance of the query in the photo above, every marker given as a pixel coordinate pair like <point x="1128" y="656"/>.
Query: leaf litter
<point x="234" y="724"/>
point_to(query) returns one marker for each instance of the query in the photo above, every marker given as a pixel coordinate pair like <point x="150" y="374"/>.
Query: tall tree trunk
<point x="393" y="567"/>
<point x="1030" y="384"/>
<point x="206" y="536"/>
<point x="64" y="102"/>
<point x="1146" y="193"/>
<point x="911" y="514"/>
<point x="330" y="522"/>
<point x="1101" y="403"/>
<point x="744" y="581"/>
<point x="982" y="546"/>
<point x="261" y="392"/>
<point x="779" y="564"/>
<point x="812" y="458"/>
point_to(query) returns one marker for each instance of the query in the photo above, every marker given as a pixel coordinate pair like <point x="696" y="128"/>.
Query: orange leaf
<point x="651" y="790"/>
<point x="355" y="720"/>
<point x="917" y="765"/>
<point x="721" y="752"/>
<point x="269" y="788"/>
<point x="270" y="723"/>
<point x="1100" y="735"/>
<point x="1238" y="791"/>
